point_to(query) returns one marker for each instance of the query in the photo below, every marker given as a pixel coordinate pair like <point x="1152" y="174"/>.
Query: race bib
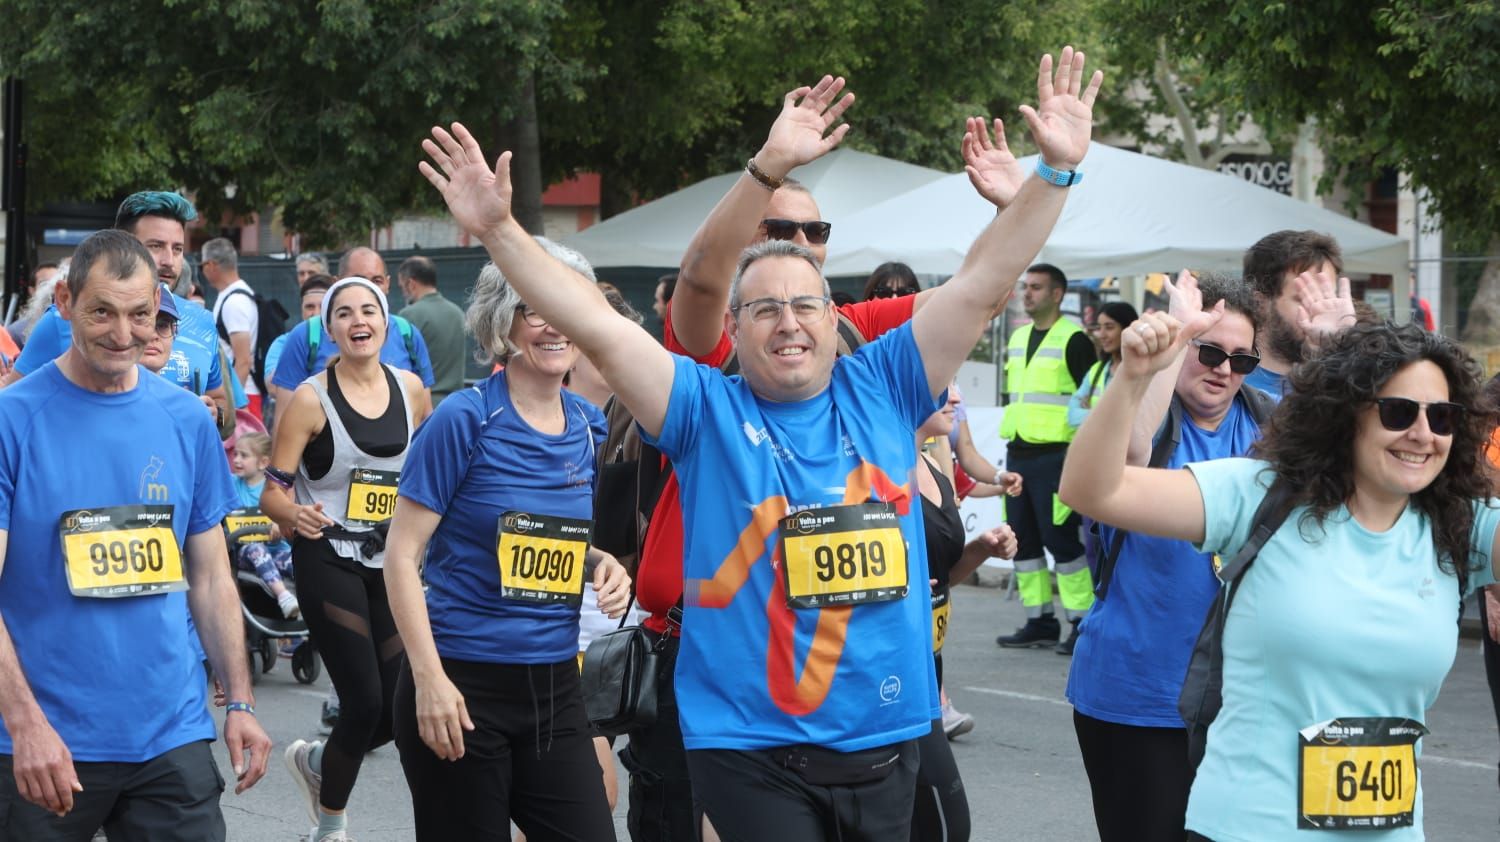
<point x="843" y="555"/>
<point x="1358" y="773"/>
<point x="120" y="551"/>
<point x="940" y="608"/>
<point x="372" y="496"/>
<point x="541" y="557"/>
<point x="249" y="518"/>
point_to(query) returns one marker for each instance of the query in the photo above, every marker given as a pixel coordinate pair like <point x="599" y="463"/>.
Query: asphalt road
<point x="1020" y="765"/>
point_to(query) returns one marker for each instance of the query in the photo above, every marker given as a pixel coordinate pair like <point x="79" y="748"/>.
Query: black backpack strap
<point x="1269" y="516"/>
<point x="849" y="336"/>
<point x="219" y="322"/>
<point x="1166" y="443"/>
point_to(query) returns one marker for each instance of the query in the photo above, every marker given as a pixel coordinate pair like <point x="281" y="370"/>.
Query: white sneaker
<point x="288" y="604"/>
<point x="956" y="724"/>
<point x="330" y="836"/>
<point x="309" y="783"/>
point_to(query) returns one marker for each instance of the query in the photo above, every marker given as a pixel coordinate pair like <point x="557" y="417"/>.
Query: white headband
<point x="354" y="280"/>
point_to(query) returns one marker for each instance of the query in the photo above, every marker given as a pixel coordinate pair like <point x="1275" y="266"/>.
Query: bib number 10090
<point x="541" y="557"/>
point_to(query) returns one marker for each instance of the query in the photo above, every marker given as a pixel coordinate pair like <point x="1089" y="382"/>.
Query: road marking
<point x="316" y="694"/>
<point x="1028" y="697"/>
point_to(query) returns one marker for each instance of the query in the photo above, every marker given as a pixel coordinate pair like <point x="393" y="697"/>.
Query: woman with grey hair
<point x="497" y="497"/>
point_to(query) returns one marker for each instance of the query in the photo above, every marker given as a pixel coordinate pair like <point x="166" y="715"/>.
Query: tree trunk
<point x="1483" y="326"/>
<point x="519" y="135"/>
<point x="614" y="196"/>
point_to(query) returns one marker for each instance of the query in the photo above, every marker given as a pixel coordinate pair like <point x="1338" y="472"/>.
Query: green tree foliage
<point x="318" y="108"/>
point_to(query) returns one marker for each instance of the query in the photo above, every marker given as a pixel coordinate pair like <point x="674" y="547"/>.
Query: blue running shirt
<point x="117" y="678"/>
<point x="513" y="468"/>
<point x="753" y="673"/>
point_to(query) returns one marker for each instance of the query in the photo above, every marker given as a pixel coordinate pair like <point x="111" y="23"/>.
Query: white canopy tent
<point x="1131" y="214"/>
<point x="657" y="233"/>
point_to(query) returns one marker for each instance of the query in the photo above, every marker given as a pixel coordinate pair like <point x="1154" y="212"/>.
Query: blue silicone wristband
<point x="239" y="706"/>
<point x="1062" y="178"/>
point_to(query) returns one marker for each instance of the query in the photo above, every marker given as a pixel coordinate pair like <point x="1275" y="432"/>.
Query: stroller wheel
<point x="267" y="654"/>
<point x="306" y="666"/>
<point x="250" y="663"/>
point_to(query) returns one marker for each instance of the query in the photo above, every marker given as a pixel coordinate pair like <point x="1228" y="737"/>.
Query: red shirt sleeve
<point x="715" y="358"/>
<point x="874" y="317"/>
<point x="962" y="482"/>
<point x="658" y="583"/>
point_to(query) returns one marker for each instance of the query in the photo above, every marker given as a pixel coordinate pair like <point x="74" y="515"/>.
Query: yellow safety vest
<point x="1038" y="391"/>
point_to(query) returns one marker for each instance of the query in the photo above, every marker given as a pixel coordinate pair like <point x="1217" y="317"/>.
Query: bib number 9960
<point x="120" y="551"/>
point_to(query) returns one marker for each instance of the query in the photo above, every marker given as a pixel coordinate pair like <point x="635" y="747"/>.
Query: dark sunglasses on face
<point x="1398" y="414"/>
<point x="895" y="292"/>
<point x="785" y="229"/>
<point x="1212" y="356"/>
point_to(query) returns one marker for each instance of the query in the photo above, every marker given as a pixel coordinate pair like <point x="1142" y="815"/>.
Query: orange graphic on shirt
<point x="797" y="696"/>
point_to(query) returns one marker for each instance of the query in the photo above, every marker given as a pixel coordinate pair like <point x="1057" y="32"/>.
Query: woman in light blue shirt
<point x="1114" y="318"/>
<point x="1342" y="631"/>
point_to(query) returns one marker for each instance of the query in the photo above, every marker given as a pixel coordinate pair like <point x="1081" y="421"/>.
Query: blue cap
<point x="168" y="303"/>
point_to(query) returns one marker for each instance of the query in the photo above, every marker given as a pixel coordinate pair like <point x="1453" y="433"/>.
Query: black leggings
<point x="941" y="811"/>
<point x="529" y="758"/>
<point x="1491" y="654"/>
<point x="1139" y="777"/>
<point x="349" y="619"/>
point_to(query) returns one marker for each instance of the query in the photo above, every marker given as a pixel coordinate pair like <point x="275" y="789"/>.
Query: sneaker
<point x="1066" y="647"/>
<point x="1038" y="632"/>
<point x="956" y="723"/>
<point x="330" y="836"/>
<point x="309" y="783"/>
<point x="288" y="604"/>
<point x="329" y="718"/>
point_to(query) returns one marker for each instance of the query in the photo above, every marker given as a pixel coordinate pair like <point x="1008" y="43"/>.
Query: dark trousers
<point x="173" y="798"/>
<point x="941" y="811"/>
<point x="1030" y="512"/>
<point x="1139" y="778"/>
<point x="750" y="797"/>
<point x="529" y="758"/>
<point x="1491" y="654"/>
<point x="349" y="619"/>
<point x="661" y="795"/>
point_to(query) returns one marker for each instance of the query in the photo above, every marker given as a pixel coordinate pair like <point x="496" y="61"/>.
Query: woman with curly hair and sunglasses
<point x="1340" y="634"/>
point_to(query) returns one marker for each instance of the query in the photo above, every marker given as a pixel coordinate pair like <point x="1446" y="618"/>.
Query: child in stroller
<point x="270" y="556"/>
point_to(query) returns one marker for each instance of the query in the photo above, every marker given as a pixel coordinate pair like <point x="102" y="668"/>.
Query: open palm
<point x="1064" y="117"/>
<point x="991" y="166"/>
<point x="801" y="133"/>
<point x="478" y="197"/>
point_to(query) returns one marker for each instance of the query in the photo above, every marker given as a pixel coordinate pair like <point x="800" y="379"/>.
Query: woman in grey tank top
<point x="339" y="449"/>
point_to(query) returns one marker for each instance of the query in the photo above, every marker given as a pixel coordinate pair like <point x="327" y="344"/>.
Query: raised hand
<point x="1154" y="340"/>
<point x="1184" y="299"/>
<point x="992" y="169"/>
<point x="1324" y="307"/>
<point x="478" y="197"/>
<point x="801" y="133"/>
<point x="1064" y="117"/>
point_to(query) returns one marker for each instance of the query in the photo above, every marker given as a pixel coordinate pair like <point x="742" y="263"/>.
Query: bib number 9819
<point x="843" y="555"/>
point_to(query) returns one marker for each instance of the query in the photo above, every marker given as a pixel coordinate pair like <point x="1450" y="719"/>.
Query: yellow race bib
<point x="1358" y="773"/>
<point x="843" y="555"/>
<point x="542" y="557"/>
<point x="248" y="519"/>
<point x="119" y="551"/>
<point x="941" y="607"/>
<point x="372" y="496"/>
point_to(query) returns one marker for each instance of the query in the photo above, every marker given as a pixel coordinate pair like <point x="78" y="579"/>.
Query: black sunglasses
<point x="897" y="292"/>
<point x="785" y="229"/>
<point x="1212" y="356"/>
<point x="1398" y="414"/>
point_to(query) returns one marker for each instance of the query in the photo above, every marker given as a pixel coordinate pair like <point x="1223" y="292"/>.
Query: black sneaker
<point x="1038" y="632"/>
<point x="1066" y="647"/>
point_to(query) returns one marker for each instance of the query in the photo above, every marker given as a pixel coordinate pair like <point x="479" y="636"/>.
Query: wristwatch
<point x="1062" y="178"/>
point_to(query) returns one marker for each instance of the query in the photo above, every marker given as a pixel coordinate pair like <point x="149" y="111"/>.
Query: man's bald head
<point x="365" y="262"/>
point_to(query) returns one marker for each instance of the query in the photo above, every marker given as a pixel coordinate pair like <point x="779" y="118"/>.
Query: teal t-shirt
<point x="1338" y="622"/>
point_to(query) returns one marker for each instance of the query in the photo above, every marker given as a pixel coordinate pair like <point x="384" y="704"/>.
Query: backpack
<point x="315" y="340"/>
<point x="1260" y="405"/>
<point x="270" y="323"/>
<point x="1203" y="688"/>
<point x="632" y="474"/>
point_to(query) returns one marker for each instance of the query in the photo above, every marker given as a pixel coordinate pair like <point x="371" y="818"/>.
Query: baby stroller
<point x="265" y="628"/>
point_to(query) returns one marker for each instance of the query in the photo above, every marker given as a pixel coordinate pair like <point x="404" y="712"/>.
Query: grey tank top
<point x="333" y="489"/>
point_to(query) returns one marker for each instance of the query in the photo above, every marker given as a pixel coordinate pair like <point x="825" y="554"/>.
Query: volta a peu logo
<point x="85" y="521"/>
<point x="520" y="523"/>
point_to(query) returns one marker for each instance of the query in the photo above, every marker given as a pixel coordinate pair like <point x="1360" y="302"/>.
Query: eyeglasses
<point x="1398" y="414"/>
<point x="166" y="326"/>
<point x="785" y="229"/>
<point x="807" y="309"/>
<point x="531" y="316"/>
<point x="894" y="292"/>
<point x="1212" y="356"/>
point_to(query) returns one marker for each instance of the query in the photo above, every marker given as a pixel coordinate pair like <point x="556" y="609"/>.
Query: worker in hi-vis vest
<point x="1044" y="363"/>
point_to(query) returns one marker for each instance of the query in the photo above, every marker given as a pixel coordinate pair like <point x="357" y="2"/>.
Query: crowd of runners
<point x="771" y="490"/>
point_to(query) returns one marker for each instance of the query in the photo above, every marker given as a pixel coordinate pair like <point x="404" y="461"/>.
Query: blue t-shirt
<point x="753" y="673"/>
<point x="247" y="496"/>
<point x="1135" y="643"/>
<point x="1339" y="622"/>
<point x="292" y="369"/>
<point x="1267" y="381"/>
<point x="117" y="678"/>
<point x="193" y="364"/>
<point x="273" y="353"/>
<point x="513" y="467"/>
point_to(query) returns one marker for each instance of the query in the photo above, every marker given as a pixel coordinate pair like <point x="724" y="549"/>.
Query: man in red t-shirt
<point x="763" y="203"/>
